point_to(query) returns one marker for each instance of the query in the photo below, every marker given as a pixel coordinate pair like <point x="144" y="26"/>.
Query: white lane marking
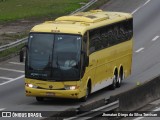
<point x="136" y="10"/>
<point x="155" y="38"/>
<point x="5" y="78"/>
<point x="1" y="109"/>
<point x="146" y="2"/>
<point x="139" y="118"/>
<point x="139" y="50"/>
<point x="22" y="76"/>
<point x="141" y="6"/>
<point x="13" y="70"/>
<point x="158" y="109"/>
<point x="16" y="63"/>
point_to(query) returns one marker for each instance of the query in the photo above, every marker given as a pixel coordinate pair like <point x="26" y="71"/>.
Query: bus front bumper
<point x="73" y="94"/>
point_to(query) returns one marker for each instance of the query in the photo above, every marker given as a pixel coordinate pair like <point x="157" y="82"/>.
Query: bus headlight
<point x="68" y="87"/>
<point x="30" y="85"/>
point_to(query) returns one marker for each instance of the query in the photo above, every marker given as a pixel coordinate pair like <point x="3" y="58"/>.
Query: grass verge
<point x="11" y="10"/>
<point x="13" y="37"/>
<point x="63" y="6"/>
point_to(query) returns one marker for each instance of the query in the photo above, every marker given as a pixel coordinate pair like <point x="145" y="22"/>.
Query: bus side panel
<point x="88" y="75"/>
<point x="118" y="55"/>
<point x="106" y="60"/>
<point x="101" y="77"/>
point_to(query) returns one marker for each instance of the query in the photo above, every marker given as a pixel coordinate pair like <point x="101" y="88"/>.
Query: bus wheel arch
<point x="88" y="91"/>
<point x="89" y="84"/>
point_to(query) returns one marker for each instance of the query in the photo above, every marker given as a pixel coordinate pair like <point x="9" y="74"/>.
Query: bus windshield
<point x="54" y="56"/>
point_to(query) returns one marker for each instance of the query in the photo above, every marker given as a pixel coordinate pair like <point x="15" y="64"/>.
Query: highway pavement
<point x="146" y="62"/>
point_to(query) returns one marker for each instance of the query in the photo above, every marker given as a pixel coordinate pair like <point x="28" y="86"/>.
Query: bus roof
<point x="80" y="22"/>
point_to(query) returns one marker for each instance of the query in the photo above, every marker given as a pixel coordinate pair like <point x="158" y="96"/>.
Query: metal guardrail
<point x="13" y="44"/>
<point x="98" y="111"/>
<point x="18" y="42"/>
<point x="85" y="6"/>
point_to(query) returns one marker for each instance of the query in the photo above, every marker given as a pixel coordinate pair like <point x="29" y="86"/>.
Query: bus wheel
<point x="39" y="99"/>
<point x="120" y="78"/>
<point x="84" y="99"/>
<point x="113" y="85"/>
<point x="119" y="81"/>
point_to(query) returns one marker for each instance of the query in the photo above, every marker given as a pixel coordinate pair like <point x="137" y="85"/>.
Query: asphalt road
<point x="146" y="62"/>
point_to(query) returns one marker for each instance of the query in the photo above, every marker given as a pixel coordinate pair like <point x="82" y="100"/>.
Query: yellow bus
<point x="76" y="55"/>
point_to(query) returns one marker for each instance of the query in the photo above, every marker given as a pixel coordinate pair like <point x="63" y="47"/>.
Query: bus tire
<point x="113" y="85"/>
<point x="39" y="99"/>
<point x="84" y="99"/>
<point x="120" y="78"/>
<point x="119" y="81"/>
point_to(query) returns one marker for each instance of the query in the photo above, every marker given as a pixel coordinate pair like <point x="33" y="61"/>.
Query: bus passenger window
<point x="95" y="41"/>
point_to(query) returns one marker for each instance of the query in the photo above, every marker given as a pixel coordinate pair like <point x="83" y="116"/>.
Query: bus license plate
<point x="50" y="94"/>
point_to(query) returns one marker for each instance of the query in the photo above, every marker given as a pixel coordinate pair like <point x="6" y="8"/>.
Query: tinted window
<point x="53" y="56"/>
<point x="110" y="35"/>
<point x="95" y="40"/>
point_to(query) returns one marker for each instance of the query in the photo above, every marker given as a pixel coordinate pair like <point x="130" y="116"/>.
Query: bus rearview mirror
<point x="21" y="56"/>
<point x="21" y="53"/>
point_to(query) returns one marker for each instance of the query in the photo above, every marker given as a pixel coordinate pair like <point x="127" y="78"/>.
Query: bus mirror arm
<point x="21" y="53"/>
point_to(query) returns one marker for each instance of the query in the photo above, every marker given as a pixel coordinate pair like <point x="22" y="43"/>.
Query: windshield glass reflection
<point x="55" y="56"/>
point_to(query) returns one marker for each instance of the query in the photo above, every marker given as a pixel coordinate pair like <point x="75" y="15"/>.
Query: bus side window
<point x="92" y="46"/>
<point x="104" y="37"/>
<point x="123" y="31"/>
<point x="111" y="35"/>
<point x="130" y="28"/>
<point x="95" y="41"/>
